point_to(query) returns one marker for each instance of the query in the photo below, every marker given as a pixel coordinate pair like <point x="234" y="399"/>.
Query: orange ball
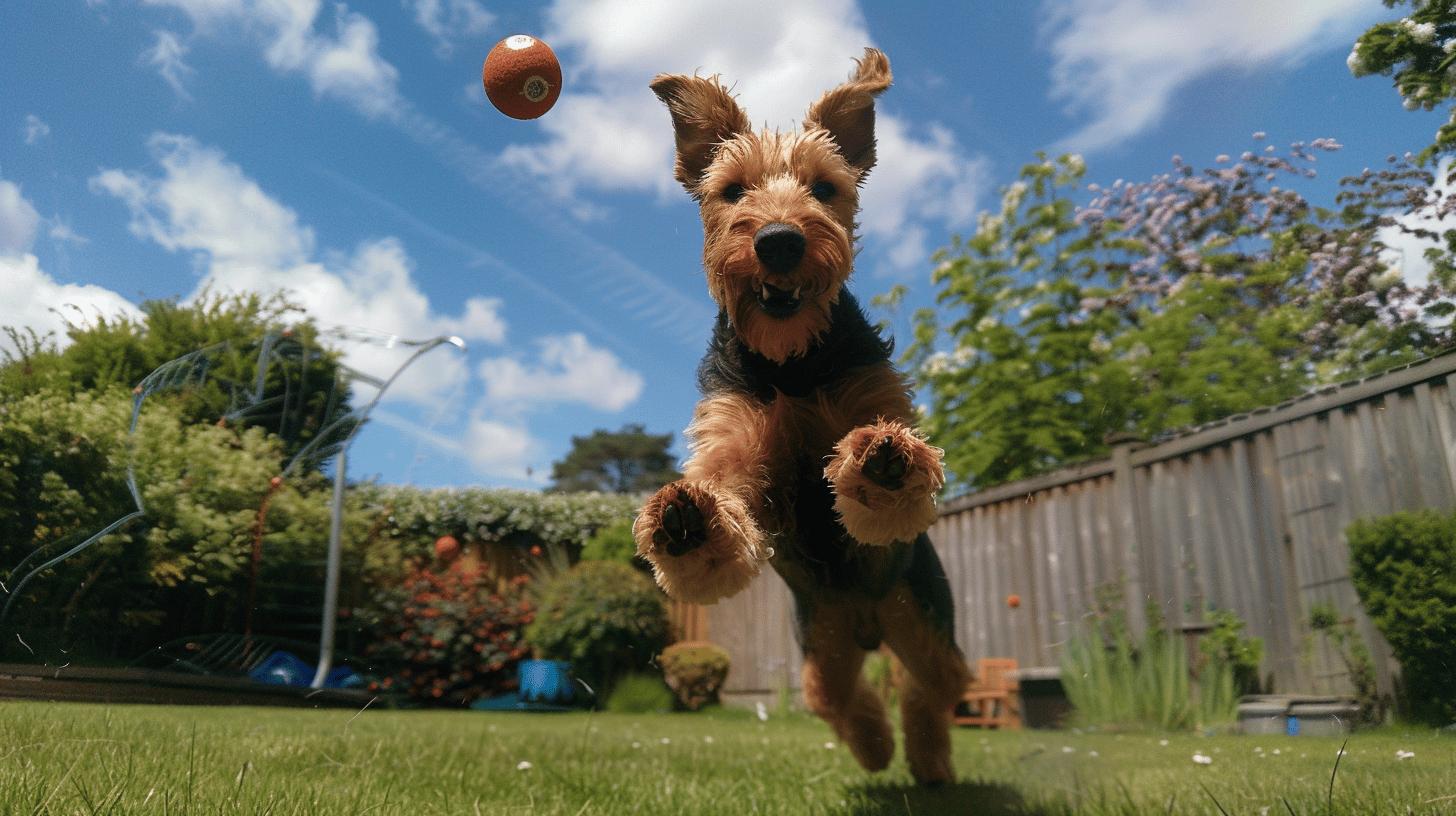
<point x="522" y="77"/>
<point x="446" y="547"/>
<point x="1013" y="600"/>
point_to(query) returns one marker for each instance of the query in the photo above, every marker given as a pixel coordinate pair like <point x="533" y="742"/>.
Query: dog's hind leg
<point x="837" y="694"/>
<point x="917" y="622"/>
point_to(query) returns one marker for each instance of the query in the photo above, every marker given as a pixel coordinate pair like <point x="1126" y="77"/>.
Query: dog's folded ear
<point x="704" y="116"/>
<point x="848" y="111"/>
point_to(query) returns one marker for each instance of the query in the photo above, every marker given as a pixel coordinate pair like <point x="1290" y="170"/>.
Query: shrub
<point x="1226" y="643"/>
<point x="1113" y="681"/>
<point x="450" y="635"/>
<point x="1341" y="634"/>
<point x="640" y="694"/>
<point x="1404" y="569"/>
<point x="695" y="671"/>
<point x="606" y="619"/>
<point x="614" y="543"/>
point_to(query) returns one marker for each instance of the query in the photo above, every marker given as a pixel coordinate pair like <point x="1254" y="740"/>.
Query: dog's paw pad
<point x="682" y="529"/>
<point x="886" y="465"/>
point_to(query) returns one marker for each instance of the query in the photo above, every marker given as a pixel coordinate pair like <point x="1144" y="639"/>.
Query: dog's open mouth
<point x="776" y="302"/>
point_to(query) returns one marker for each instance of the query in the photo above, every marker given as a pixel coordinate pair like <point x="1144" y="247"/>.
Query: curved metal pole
<point x="336" y="520"/>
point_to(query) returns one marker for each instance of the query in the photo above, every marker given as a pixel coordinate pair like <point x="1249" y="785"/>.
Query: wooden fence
<point x="1247" y="515"/>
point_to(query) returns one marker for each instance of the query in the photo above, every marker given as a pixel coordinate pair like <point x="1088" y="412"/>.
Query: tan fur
<point x="721" y="567"/>
<point x="874" y="514"/>
<point x="747" y="453"/>
<point x="836" y="692"/>
<point x="937" y="677"/>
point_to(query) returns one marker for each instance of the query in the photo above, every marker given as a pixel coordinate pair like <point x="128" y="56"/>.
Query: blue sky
<point x="345" y="152"/>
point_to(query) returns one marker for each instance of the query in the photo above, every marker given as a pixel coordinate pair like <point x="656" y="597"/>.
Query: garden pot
<point x="546" y="681"/>
<point x="1263" y="715"/>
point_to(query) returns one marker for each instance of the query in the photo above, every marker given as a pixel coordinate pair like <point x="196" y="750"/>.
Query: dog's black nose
<point x="779" y="247"/>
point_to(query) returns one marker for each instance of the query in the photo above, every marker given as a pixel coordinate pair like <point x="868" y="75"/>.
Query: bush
<point x="1113" y="681"/>
<point x="404" y="520"/>
<point x="606" y="619"/>
<point x="1226" y="644"/>
<point x="613" y="543"/>
<point x="640" y="694"/>
<point x="1341" y="635"/>
<point x="450" y="635"/>
<point x="1404" y="569"/>
<point x="695" y="671"/>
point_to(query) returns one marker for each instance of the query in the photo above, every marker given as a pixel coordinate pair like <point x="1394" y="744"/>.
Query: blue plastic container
<point x="546" y="681"/>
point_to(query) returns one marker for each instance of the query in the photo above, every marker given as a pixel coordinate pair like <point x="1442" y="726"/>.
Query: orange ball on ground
<point x="522" y="77"/>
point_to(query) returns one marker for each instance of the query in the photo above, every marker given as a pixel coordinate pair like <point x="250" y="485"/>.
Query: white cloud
<point x="502" y="449"/>
<point x="35" y="129"/>
<point x="1406" y="252"/>
<point x="1119" y="62"/>
<point x="168" y="55"/>
<point x="778" y="58"/>
<point x="33" y="299"/>
<point x="62" y="231"/>
<point x="18" y="220"/>
<point x="345" y="64"/>
<point x="450" y="20"/>
<point x="569" y="369"/>
<point x="245" y="240"/>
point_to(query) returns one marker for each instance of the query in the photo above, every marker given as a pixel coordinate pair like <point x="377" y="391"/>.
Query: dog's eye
<point x="733" y="192"/>
<point x="822" y="190"/>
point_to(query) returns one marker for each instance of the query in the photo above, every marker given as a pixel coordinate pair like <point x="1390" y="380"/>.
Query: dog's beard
<point x="740" y="285"/>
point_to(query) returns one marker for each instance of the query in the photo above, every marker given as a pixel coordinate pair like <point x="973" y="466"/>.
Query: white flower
<point x="1420" y="32"/>
<point x="1067" y="749"/>
<point x="1276" y="750"/>
<point x="708" y="739"/>
<point x="1011" y="199"/>
<point x="1355" y="62"/>
<point x="523" y="765"/>
<point x="1203" y="759"/>
<point x="1410" y="104"/>
<point x="1404" y="754"/>
<point x="1076" y="163"/>
<point x="636" y="745"/>
<point x="829" y="746"/>
<point x="666" y="741"/>
<point x="1093" y="754"/>
<point x="1449" y="46"/>
<point x="1163" y="743"/>
<point x="762" y="711"/>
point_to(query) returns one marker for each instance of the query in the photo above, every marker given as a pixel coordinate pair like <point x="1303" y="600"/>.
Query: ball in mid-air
<point x="522" y="77"/>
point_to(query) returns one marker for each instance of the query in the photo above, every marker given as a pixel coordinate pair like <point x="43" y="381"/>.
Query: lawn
<point x="70" y="758"/>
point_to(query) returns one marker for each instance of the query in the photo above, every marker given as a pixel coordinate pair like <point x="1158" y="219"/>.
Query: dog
<point x="803" y="450"/>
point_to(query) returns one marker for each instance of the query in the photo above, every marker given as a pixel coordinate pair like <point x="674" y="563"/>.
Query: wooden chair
<point x="991" y="697"/>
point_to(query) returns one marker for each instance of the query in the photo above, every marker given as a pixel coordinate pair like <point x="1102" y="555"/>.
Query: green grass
<point x="70" y="758"/>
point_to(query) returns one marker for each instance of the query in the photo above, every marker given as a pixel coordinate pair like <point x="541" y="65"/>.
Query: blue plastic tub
<point x="546" y="681"/>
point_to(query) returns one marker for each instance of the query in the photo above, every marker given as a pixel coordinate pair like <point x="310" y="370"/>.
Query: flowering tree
<point x="1419" y="51"/>
<point x="1158" y="304"/>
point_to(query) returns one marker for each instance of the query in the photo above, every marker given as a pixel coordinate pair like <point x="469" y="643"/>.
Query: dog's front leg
<point x="701" y="533"/>
<point x="885" y="475"/>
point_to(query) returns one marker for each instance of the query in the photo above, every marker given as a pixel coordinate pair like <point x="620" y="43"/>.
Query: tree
<point x="301" y="389"/>
<point x="1419" y="52"/>
<point x="626" y="461"/>
<point x="1158" y="304"/>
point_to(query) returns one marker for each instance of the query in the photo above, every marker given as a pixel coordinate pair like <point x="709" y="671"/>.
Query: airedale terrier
<point x="803" y="449"/>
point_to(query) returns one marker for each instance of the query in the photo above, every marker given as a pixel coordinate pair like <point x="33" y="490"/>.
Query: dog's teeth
<point x="796" y="292"/>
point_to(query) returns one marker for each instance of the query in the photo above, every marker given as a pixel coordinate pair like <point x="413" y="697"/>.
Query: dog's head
<point x="778" y="208"/>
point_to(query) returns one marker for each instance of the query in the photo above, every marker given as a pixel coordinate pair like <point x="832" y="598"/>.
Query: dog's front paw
<point x="885" y="478"/>
<point x="703" y="544"/>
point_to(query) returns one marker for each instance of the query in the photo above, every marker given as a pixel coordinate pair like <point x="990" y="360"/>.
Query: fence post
<point x="1127" y="524"/>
